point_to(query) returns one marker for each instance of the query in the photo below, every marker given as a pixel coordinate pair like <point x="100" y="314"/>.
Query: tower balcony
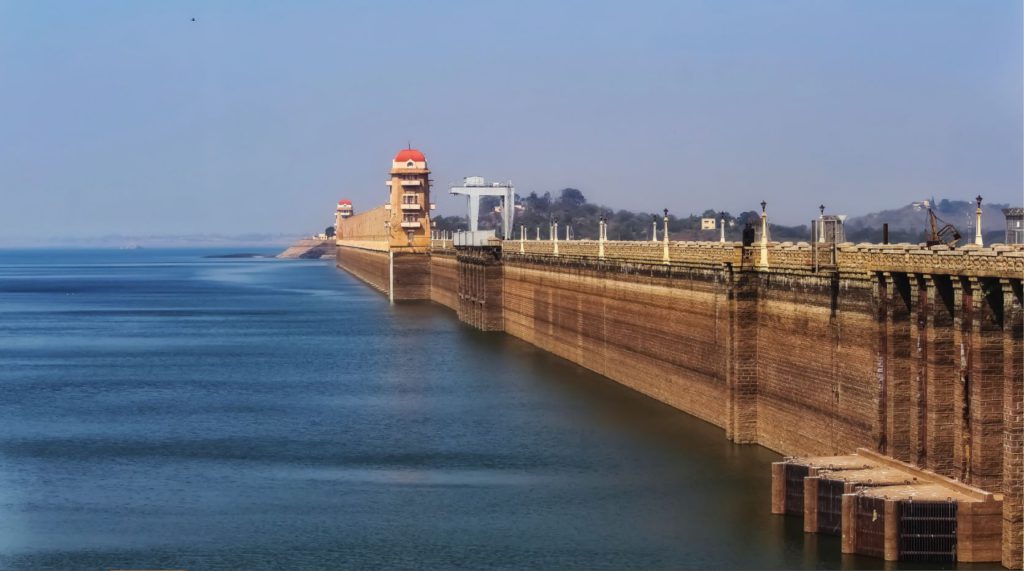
<point x="411" y="224"/>
<point x="416" y="182"/>
<point x="415" y="207"/>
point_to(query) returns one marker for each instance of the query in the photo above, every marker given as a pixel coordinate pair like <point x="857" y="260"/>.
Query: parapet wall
<point x="365" y="227"/>
<point x="999" y="261"/>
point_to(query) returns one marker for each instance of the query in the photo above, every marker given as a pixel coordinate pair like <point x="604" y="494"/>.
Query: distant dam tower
<point x="345" y="208"/>
<point x="343" y="211"/>
<point x="388" y="246"/>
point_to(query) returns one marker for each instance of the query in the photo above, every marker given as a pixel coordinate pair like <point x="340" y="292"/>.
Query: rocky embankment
<point x="310" y="249"/>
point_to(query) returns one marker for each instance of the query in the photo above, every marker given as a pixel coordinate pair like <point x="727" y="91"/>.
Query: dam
<point x="908" y="354"/>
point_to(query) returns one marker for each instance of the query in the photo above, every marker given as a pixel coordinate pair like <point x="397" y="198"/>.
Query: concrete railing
<point x="998" y="260"/>
<point x="447" y="246"/>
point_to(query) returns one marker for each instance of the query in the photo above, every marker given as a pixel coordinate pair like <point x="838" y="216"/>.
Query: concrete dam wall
<point x="910" y="352"/>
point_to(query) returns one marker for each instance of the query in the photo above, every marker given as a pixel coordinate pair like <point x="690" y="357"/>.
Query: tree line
<point x="582" y="218"/>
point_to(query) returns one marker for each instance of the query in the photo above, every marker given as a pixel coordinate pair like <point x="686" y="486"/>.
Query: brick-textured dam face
<point x="910" y="352"/>
<point x="642" y="330"/>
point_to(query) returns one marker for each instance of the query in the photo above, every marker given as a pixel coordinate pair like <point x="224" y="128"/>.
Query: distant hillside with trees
<point x="909" y="223"/>
<point x="570" y="207"/>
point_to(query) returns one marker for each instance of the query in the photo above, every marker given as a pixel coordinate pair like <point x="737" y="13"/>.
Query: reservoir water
<point x="162" y="409"/>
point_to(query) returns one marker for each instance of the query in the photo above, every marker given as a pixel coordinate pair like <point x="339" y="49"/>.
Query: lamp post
<point x="763" y="258"/>
<point x="654" y="227"/>
<point x="664" y="254"/>
<point x="977" y="223"/>
<point x="721" y="215"/>
<point x="821" y="223"/>
<point x="554" y="237"/>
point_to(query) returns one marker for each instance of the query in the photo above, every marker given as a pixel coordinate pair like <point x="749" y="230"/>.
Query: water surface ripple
<point x="164" y="410"/>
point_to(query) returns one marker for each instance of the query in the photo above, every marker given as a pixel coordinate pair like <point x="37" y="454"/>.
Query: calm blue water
<point x="162" y="409"/>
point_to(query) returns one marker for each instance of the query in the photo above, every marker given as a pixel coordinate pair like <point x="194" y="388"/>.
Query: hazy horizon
<point x="132" y="119"/>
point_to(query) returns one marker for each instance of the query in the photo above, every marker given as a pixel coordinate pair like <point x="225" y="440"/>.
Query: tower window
<point x="409" y="218"/>
<point x="409" y="199"/>
<point x="410" y="164"/>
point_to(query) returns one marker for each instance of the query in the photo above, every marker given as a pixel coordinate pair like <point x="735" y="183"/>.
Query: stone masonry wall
<point x="662" y="334"/>
<point x="371" y="266"/>
<point x="1013" y="424"/>
<point x="816" y="367"/>
<point x="481" y="288"/>
<point x="444" y="279"/>
<point x="411" y="278"/>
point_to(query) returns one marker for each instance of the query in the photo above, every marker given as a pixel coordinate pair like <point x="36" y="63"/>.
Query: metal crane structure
<point x="474" y="187"/>
<point x="946" y="234"/>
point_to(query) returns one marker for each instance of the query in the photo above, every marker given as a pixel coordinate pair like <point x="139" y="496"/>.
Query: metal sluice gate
<point x="927" y="531"/>
<point x="830" y="506"/>
<point x="795" y="474"/>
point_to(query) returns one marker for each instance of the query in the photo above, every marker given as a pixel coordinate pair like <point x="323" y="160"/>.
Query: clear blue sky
<point x="128" y="117"/>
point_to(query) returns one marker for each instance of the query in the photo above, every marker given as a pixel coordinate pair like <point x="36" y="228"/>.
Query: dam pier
<point x="897" y="358"/>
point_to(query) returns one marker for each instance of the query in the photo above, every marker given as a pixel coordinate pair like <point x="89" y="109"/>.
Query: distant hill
<point x="906" y="224"/>
<point x="913" y="216"/>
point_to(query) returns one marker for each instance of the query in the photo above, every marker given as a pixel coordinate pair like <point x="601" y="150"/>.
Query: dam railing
<point x="999" y="260"/>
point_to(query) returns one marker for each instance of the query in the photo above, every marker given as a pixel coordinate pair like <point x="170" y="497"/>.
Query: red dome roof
<point x="410" y="155"/>
<point x="345" y="201"/>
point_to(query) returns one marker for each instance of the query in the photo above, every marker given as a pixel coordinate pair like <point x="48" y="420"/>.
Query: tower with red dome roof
<point x="409" y="204"/>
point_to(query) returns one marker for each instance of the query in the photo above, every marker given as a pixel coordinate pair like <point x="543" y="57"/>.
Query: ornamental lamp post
<point x="763" y="258"/>
<point x="821" y="223"/>
<point x="977" y="223"/>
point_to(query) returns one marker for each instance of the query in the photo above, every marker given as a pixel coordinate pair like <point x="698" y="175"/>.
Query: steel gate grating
<point x="830" y="506"/>
<point x="870" y="522"/>
<point x="795" y="474"/>
<point x="927" y="531"/>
